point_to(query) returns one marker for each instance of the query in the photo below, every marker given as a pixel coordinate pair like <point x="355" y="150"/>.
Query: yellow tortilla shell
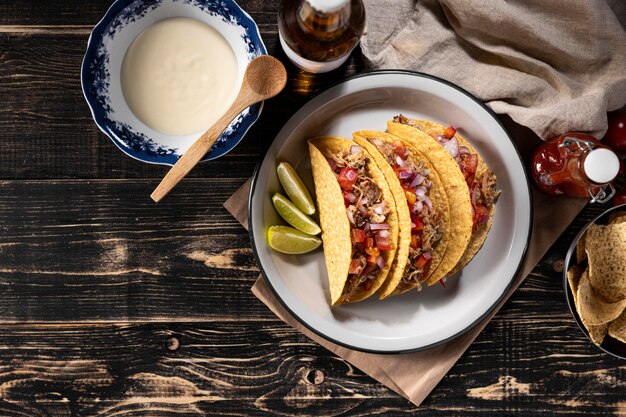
<point x="581" y="255"/>
<point x="598" y="333"/>
<point x="334" y="222"/>
<point x="438" y="198"/>
<point x="480" y="234"/>
<point x="606" y="254"/>
<point x="460" y="207"/>
<point x="592" y="309"/>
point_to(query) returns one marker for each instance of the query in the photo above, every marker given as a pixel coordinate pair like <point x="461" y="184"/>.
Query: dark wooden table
<point x="115" y="306"/>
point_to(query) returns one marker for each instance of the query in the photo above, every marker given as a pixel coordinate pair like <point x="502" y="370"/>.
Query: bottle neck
<point x="323" y="24"/>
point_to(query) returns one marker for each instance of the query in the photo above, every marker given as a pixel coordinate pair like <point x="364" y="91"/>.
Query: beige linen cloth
<point x="554" y="66"/>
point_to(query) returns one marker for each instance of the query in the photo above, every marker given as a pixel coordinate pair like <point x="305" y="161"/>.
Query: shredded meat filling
<point x="362" y="214"/>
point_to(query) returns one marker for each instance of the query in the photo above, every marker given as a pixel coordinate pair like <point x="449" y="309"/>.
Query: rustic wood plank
<point x="65" y="12"/>
<point x="526" y="360"/>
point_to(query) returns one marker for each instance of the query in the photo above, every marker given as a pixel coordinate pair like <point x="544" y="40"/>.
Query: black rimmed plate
<point x="414" y="320"/>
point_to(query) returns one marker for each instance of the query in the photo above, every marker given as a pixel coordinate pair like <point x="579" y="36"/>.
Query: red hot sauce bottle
<point x="577" y="165"/>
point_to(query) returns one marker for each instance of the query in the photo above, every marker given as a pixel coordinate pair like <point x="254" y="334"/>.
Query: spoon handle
<point x="199" y="148"/>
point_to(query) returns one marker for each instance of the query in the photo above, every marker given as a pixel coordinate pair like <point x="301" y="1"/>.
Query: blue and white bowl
<point x="101" y="69"/>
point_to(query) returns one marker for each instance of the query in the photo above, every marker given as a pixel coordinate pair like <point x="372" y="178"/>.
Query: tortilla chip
<point x="591" y="308"/>
<point x="581" y="255"/>
<point x="438" y="197"/>
<point x="573" y="278"/>
<point x="334" y="222"/>
<point x="617" y="328"/>
<point x="598" y="333"/>
<point x="456" y="190"/>
<point x="606" y="252"/>
<point x="480" y="234"/>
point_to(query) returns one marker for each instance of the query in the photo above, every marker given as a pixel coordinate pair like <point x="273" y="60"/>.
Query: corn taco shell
<point x="457" y="193"/>
<point x="433" y="238"/>
<point x="483" y="173"/>
<point x="337" y="226"/>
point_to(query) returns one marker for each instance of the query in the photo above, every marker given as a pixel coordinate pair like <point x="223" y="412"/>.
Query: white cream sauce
<point x="179" y="76"/>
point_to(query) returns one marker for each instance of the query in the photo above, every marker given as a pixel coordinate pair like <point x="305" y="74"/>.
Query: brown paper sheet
<point x="414" y="375"/>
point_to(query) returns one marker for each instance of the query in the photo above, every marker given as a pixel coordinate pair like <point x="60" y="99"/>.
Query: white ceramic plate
<point x="414" y="320"/>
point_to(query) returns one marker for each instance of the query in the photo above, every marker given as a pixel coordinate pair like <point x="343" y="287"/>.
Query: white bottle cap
<point x="328" y="6"/>
<point x="601" y="165"/>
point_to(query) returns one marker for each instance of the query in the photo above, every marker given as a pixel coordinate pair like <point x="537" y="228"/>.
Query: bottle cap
<point x="601" y="165"/>
<point x="328" y="6"/>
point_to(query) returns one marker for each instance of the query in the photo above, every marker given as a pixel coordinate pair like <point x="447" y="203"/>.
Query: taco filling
<point x="367" y="213"/>
<point x="425" y="223"/>
<point x="482" y="188"/>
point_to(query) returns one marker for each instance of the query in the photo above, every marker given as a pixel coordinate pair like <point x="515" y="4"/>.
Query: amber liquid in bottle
<point x="320" y="40"/>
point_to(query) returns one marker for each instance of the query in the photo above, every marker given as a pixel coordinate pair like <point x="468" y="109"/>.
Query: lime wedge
<point x="286" y="239"/>
<point x="295" y="188"/>
<point x="294" y="216"/>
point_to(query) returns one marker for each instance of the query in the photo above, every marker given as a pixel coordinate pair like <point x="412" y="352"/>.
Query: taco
<point x="460" y="207"/>
<point x="358" y="218"/>
<point x="479" y="179"/>
<point x="422" y="205"/>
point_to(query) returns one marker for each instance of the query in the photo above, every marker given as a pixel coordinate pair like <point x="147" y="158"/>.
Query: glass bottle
<point x="318" y="35"/>
<point x="575" y="164"/>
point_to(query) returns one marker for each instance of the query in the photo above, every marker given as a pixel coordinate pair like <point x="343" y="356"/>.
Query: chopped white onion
<point x="355" y="149"/>
<point x="379" y="226"/>
<point x="427" y="255"/>
<point x="404" y="175"/>
<point x="442" y="139"/>
<point x="400" y="161"/>
<point x="426" y="172"/>
<point x="418" y="206"/>
<point x="384" y="233"/>
<point x="428" y="203"/>
<point x="380" y="208"/>
<point x="364" y="200"/>
<point x="452" y="146"/>
<point x="463" y="150"/>
<point x="351" y="197"/>
<point x="417" y="180"/>
<point x="420" y="192"/>
<point x="350" y="217"/>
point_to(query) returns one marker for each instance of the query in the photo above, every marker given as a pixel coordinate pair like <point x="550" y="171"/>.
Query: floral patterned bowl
<point x="100" y="73"/>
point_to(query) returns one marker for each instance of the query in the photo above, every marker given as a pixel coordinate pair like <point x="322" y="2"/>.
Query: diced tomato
<point x="422" y="262"/>
<point x="417" y="225"/>
<point x="358" y="236"/>
<point x="369" y="242"/>
<point x="355" y="267"/>
<point x="411" y="198"/>
<point x="449" y="132"/>
<point x="468" y="165"/>
<point x="416" y="242"/>
<point x="482" y="214"/>
<point x="373" y="254"/>
<point x="399" y="148"/>
<point x="367" y="284"/>
<point x="347" y="178"/>
<point x="383" y="243"/>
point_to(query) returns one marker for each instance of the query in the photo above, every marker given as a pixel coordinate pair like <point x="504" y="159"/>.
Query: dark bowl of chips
<point x="594" y="280"/>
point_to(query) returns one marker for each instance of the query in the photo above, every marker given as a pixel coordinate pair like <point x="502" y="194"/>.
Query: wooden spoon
<point x="264" y="78"/>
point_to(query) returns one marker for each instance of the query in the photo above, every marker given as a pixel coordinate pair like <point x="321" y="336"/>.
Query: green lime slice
<point x="295" y="188"/>
<point x="294" y="216"/>
<point x="286" y="239"/>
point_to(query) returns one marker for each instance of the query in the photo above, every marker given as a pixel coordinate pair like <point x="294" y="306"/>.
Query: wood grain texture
<point x="96" y="280"/>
